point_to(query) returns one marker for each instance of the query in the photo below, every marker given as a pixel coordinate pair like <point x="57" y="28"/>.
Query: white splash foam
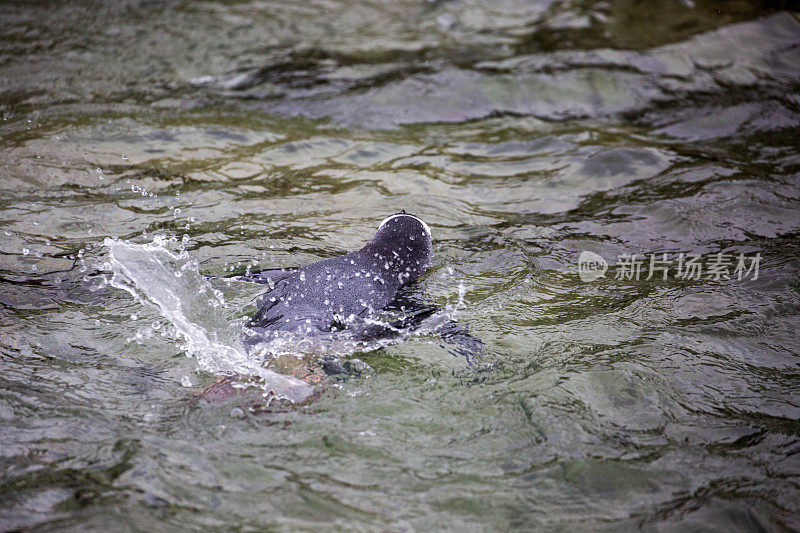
<point x="172" y="283"/>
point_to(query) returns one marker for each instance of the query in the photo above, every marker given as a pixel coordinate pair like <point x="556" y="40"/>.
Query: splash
<point x="172" y="283"/>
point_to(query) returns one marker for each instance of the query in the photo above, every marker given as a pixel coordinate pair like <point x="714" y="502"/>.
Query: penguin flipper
<point x="266" y="277"/>
<point x="460" y="342"/>
<point x="455" y="335"/>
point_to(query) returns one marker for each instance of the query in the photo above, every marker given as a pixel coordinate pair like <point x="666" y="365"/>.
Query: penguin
<point x="349" y="291"/>
<point x="321" y="296"/>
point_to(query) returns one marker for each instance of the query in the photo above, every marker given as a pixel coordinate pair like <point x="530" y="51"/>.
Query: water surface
<point x="272" y="134"/>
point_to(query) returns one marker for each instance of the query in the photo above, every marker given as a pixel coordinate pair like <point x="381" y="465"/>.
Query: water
<point x="152" y="273"/>
<point x="274" y="134"/>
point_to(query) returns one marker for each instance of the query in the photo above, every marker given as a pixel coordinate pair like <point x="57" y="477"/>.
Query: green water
<point x="523" y="133"/>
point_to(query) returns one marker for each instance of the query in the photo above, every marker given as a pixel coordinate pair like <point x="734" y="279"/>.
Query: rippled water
<point x="274" y="134"/>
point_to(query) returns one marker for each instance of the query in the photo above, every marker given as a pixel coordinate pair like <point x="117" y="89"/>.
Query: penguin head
<point x="404" y="246"/>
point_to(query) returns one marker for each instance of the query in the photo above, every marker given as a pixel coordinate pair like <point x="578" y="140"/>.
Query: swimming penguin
<point x="347" y="291"/>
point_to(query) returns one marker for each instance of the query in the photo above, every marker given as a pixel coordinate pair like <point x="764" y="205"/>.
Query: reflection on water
<point x="274" y="134"/>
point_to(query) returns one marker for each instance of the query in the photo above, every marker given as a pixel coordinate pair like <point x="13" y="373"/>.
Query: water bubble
<point x="25" y="251"/>
<point x="125" y="157"/>
<point x="134" y="317"/>
<point x="445" y="21"/>
<point x="237" y="412"/>
<point x="462" y="291"/>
